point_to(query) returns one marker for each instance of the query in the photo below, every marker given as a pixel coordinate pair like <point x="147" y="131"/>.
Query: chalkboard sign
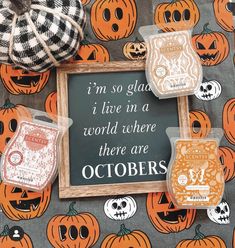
<point x="117" y="143"/>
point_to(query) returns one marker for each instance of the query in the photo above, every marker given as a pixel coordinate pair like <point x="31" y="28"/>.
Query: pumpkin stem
<point x="8" y="104"/>
<point x="198" y="235"/>
<point x="20" y="6"/>
<point x="123" y="231"/>
<point x="206" y="30"/>
<point x="85" y="42"/>
<point x="72" y="211"/>
<point x="5" y="231"/>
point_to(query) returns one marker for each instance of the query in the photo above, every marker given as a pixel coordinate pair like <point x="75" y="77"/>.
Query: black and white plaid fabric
<point x="59" y="34"/>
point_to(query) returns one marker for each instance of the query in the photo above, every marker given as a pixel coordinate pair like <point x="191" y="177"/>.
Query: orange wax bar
<point x="196" y="179"/>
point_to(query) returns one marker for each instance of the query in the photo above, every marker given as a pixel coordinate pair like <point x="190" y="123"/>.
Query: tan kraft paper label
<point x="173" y="67"/>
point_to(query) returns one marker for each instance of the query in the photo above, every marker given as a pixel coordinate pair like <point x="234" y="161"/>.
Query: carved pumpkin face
<point x="135" y="50"/>
<point x="229" y="120"/>
<point x="19" y="81"/>
<point x="209" y="90"/>
<point x="89" y="53"/>
<point x="51" y="105"/>
<point x="211" y="46"/>
<point x="227" y="159"/>
<point x="126" y="238"/>
<point x="15" y="237"/>
<point x="73" y="229"/>
<point x="121" y="208"/>
<point x="22" y="204"/>
<point x="10" y="115"/>
<point x="224" y="15"/>
<point x="165" y="217"/>
<point x="176" y="15"/>
<point x="113" y="19"/>
<point x="200" y="124"/>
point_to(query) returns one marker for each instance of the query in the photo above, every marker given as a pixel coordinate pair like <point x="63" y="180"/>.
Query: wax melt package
<point x="31" y="158"/>
<point x="173" y="68"/>
<point x="195" y="177"/>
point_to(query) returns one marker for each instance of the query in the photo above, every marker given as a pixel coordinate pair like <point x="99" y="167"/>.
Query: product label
<point x="173" y="67"/>
<point x="30" y="159"/>
<point x="197" y="177"/>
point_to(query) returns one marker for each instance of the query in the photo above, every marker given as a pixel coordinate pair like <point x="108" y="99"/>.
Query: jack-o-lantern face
<point x="19" y="81"/>
<point x="113" y="19"/>
<point x="135" y="50"/>
<point x="209" y="90"/>
<point x="211" y="46"/>
<point x="165" y="217"/>
<point x="89" y="53"/>
<point x="73" y="229"/>
<point x="22" y="204"/>
<point x="10" y="115"/>
<point x="177" y="15"/>
<point x="224" y="15"/>
<point x="121" y="208"/>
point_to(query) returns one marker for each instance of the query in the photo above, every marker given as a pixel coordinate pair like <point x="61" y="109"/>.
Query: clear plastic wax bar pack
<point x="195" y="177"/>
<point x="173" y="68"/>
<point x="30" y="160"/>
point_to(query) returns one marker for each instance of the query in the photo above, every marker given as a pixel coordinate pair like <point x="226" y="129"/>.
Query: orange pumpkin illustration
<point x="113" y="19"/>
<point x="202" y="241"/>
<point x="85" y="2"/>
<point x="176" y="15"/>
<point x="229" y="120"/>
<point x="51" y="105"/>
<point x="165" y="217"/>
<point x="22" y="204"/>
<point x="126" y="238"/>
<point x="89" y="53"/>
<point x="19" y="81"/>
<point x="224" y="15"/>
<point x="73" y="229"/>
<point x="135" y="50"/>
<point x="200" y="124"/>
<point x="227" y="158"/>
<point x="211" y="46"/>
<point x="15" y="238"/>
<point x="10" y="115"/>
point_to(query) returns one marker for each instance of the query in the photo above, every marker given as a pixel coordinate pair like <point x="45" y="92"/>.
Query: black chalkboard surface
<point x="118" y="134"/>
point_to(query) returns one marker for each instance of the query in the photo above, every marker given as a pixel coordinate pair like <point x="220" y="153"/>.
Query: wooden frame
<point x="65" y="189"/>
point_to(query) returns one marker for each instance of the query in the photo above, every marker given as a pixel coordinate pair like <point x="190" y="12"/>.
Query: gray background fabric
<point x="224" y="73"/>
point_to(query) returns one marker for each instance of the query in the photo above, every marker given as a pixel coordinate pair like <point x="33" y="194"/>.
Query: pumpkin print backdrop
<point x="14" y="237"/>
<point x="19" y="81"/>
<point x="73" y="229"/>
<point x="22" y="204"/>
<point x="176" y="15"/>
<point x="211" y="46"/>
<point x="36" y="228"/>
<point x="10" y="115"/>
<point x="165" y="217"/>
